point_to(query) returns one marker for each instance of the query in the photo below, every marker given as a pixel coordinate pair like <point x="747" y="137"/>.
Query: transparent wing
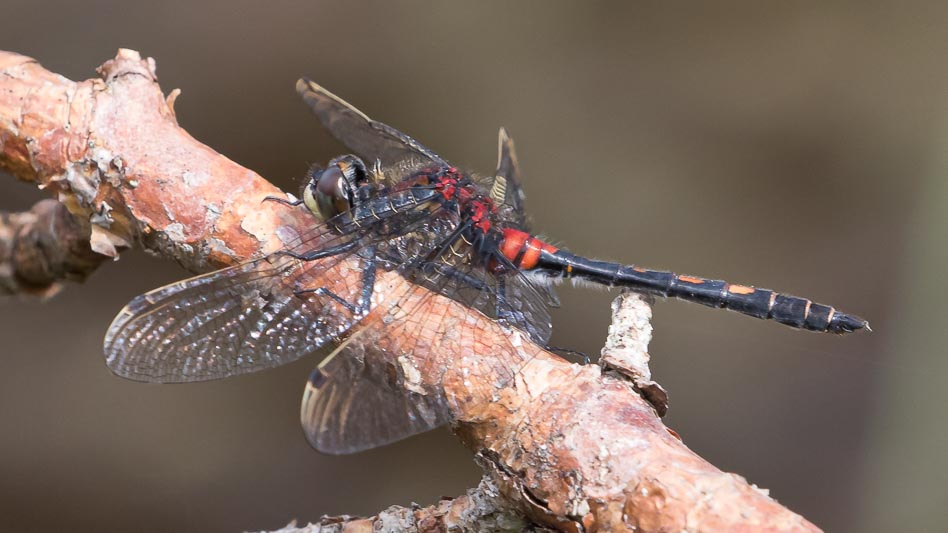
<point x="371" y="140"/>
<point x="369" y="391"/>
<point x="233" y="321"/>
<point x="507" y="190"/>
<point x="506" y="295"/>
<point x="256" y="315"/>
<point x="526" y="305"/>
<point x="358" y="398"/>
<point x="439" y="336"/>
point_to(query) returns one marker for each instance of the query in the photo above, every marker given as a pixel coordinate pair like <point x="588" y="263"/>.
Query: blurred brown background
<point x="798" y="146"/>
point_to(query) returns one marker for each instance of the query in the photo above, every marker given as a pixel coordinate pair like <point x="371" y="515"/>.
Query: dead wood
<point x="565" y="446"/>
<point x="479" y="509"/>
<point x="42" y="247"/>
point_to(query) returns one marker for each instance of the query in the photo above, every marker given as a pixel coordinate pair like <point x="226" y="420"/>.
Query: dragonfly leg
<point x="568" y="351"/>
<point x="365" y="298"/>
<point x="323" y="291"/>
<point x="284" y="201"/>
<point x="506" y="311"/>
<point x="455" y="274"/>
<point x="319" y="254"/>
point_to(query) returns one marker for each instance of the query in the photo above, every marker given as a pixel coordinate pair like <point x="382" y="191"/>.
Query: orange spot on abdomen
<point x="691" y="279"/>
<point x="740" y="289"/>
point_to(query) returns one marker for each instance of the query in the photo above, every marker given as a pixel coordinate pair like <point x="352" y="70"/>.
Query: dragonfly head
<point x="335" y="189"/>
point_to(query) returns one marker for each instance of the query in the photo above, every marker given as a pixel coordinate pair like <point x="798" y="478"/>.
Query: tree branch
<point x="567" y="447"/>
<point x="42" y="247"/>
<point x="480" y="509"/>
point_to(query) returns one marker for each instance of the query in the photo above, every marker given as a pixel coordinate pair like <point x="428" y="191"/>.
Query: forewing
<point x="358" y="399"/>
<point x="256" y="315"/>
<point x="233" y="321"/>
<point x="369" y="139"/>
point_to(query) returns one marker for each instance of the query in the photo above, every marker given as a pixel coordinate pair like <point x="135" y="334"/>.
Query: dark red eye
<point x="330" y="192"/>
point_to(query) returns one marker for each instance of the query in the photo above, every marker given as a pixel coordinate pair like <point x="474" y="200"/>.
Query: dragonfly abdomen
<point x="789" y="310"/>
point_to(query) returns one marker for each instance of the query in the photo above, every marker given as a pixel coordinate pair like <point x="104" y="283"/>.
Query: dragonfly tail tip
<point x="843" y="323"/>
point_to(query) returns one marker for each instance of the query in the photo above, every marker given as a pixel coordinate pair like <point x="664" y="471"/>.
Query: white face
<point x="309" y="199"/>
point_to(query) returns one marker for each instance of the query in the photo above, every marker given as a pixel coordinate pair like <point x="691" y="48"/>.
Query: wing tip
<point x="113" y="334"/>
<point x="503" y="135"/>
<point x="305" y="85"/>
<point x="318" y="97"/>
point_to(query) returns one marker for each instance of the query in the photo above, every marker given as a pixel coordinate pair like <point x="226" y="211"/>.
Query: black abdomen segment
<point x="761" y="303"/>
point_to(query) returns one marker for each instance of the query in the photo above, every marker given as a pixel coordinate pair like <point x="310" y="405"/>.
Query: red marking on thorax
<point x="449" y="183"/>
<point x="481" y="211"/>
<point x="523" y="249"/>
<point x="447" y="187"/>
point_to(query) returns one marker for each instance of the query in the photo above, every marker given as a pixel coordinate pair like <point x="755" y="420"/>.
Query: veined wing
<point x="507" y="193"/>
<point x="360" y="398"/>
<point x="250" y="316"/>
<point x="509" y="297"/>
<point x="507" y="189"/>
<point x="233" y="321"/>
<point x="369" y="139"/>
<point x="372" y="391"/>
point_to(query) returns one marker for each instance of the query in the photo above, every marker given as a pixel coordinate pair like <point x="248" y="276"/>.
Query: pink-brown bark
<point x="42" y="247"/>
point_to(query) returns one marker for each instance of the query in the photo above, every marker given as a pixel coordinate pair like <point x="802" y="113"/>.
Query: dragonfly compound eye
<point x="328" y="194"/>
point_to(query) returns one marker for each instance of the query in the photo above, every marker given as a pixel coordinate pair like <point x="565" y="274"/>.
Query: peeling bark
<point x="480" y="509"/>
<point x="108" y="148"/>
<point x="565" y="446"/>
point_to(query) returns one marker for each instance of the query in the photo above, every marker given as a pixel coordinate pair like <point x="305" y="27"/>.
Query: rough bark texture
<point x="480" y="509"/>
<point x="43" y="246"/>
<point x="568" y="447"/>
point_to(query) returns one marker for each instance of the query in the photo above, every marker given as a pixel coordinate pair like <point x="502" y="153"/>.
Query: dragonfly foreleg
<point x="284" y="201"/>
<point x="365" y="297"/>
<point x="319" y="254"/>
<point x="568" y="351"/>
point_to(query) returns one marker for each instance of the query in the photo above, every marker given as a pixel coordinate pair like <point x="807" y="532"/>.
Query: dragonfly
<point x="394" y="225"/>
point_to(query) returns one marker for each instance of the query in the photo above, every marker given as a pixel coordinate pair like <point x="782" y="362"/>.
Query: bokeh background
<point x="798" y="146"/>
